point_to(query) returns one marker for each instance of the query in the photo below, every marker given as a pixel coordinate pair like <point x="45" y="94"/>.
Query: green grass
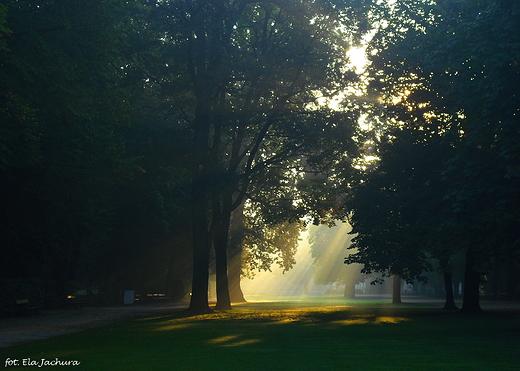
<point x="293" y="336"/>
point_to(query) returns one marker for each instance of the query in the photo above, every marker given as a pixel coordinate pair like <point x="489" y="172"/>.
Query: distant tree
<point x="268" y="244"/>
<point x="328" y="245"/>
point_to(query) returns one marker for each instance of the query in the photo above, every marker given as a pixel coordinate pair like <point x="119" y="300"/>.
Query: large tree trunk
<point x="221" y="262"/>
<point x="201" y="249"/>
<point x="396" y="289"/>
<point x="471" y="298"/>
<point x="199" y="212"/>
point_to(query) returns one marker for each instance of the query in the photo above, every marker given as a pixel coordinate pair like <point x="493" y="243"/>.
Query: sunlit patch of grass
<point x="232" y="340"/>
<point x="243" y="342"/>
<point x="172" y="327"/>
<point x="223" y="339"/>
<point x="353" y="321"/>
<point x="380" y="320"/>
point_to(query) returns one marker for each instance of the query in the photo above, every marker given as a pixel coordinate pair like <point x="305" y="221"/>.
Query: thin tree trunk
<point x="511" y="280"/>
<point x="471" y="297"/>
<point x="59" y="275"/>
<point x="396" y="289"/>
<point x="236" y="239"/>
<point x="306" y="283"/>
<point x="235" y="271"/>
<point x="448" y="286"/>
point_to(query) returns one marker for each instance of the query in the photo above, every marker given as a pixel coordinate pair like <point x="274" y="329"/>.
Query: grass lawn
<point x="292" y="336"/>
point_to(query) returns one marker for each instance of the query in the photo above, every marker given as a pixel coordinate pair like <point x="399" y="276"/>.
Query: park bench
<point x="25" y="307"/>
<point x="75" y="301"/>
<point x="151" y="298"/>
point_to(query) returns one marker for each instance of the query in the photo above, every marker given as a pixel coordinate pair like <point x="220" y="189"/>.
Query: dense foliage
<point x="81" y="169"/>
<point x="447" y="180"/>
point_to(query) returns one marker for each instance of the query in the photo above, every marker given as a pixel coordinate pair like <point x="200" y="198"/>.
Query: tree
<point x="490" y="70"/>
<point x="251" y="71"/>
<point x="453" y="45"/>
<point x="411" y="146"/>
<point x="257" y="242"/>
<point x="391" y="231"/>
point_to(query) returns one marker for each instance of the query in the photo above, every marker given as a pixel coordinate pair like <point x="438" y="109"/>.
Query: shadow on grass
<point x="277" y="337"/>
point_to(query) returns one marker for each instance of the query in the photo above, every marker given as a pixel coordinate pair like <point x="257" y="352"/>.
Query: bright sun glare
<point x="267" y="284"/>
<point x="300" y="279"/>
<point x="357" y="58"/>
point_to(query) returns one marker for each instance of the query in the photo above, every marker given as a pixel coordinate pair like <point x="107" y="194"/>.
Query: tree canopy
<point x="445" y="76"/>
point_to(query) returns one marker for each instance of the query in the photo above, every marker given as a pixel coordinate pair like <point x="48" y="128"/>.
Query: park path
<point x="18" y="330"/>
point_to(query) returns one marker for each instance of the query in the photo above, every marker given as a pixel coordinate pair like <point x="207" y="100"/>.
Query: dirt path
<point x="59" y="322"/>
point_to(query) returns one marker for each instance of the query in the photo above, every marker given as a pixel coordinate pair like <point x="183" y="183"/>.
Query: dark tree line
<point x="62" y="107"/>
<point x="447" y="180"/>
<point x="93" y="163"/>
